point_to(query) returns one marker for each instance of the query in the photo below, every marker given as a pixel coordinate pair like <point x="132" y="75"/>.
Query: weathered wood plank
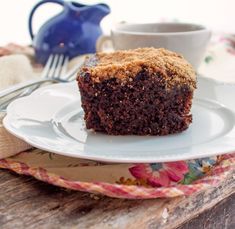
<point x="221" y="216"/>
<point x="28" y="203"/>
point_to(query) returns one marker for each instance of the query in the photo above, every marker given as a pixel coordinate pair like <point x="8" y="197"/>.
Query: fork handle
<point x="24" y="85"/>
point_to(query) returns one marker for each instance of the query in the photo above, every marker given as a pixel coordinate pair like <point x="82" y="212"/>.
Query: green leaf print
<point x="189" y="178"/>
<point x="208" y="59"/>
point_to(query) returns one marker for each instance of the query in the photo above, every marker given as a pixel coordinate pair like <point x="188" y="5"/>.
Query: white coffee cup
<point x="189" y="40"/>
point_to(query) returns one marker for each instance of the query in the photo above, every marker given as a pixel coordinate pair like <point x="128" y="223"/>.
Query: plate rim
<point x="162" y="158"/>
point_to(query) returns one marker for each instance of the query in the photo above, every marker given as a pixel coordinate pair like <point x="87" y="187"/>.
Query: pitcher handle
<point x="60" y="2"/>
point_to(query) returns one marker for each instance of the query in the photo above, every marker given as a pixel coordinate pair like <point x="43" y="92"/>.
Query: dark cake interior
<point x="141" y="92"/>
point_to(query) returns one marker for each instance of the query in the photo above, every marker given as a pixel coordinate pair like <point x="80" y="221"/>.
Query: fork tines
<point x="56" y="66"/>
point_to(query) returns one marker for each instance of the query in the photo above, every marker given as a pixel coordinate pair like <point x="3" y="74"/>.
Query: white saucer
<point x="52" y="119"/>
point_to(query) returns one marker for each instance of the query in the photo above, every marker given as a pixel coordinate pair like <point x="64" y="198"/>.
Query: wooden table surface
<point x="28" y="203"/>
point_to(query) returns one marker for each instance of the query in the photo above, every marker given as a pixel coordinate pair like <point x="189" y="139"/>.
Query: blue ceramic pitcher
<point x="72" y="32"/>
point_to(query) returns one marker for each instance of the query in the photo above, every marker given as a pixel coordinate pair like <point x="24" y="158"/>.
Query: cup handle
<point x="60" y="2"/>
<point x="101" y="41"/>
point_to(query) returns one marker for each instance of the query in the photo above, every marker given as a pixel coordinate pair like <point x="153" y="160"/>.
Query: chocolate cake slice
<point x="144" y="91"/>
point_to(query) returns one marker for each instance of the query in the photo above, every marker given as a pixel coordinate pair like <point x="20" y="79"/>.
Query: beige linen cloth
<point x="15" y="67"/>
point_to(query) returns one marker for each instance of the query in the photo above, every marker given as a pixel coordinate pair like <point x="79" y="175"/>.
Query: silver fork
<point x="54" y="71"/>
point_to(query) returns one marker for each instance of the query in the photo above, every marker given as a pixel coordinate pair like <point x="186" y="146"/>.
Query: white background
<point x="217" y="14"/>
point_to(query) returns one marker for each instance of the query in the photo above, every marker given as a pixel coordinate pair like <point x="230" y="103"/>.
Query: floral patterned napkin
<point x="219" y="61"/>
<point x="133" y="181"/>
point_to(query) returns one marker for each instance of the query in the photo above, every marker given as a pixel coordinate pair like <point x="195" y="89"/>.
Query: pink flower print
<point x="160" y="174"/>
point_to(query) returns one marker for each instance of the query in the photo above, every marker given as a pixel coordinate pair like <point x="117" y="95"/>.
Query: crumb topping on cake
<point x="125" y="65"/>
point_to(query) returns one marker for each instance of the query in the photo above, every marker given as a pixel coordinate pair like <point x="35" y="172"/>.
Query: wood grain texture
<point x="28" y="203"/>
<point x="221" y="216"/>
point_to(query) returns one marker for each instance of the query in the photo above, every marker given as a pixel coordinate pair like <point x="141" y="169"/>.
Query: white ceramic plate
<point x="52" y="119"/>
